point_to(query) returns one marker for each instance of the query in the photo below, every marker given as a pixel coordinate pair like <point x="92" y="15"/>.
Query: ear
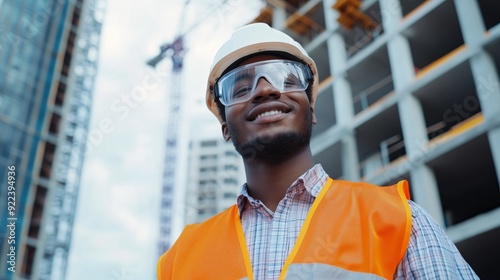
<point x="314" y="121"/>
<point x="225" y="131"/>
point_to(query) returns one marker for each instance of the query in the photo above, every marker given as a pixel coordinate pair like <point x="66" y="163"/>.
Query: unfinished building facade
<point x="410" y="90"/>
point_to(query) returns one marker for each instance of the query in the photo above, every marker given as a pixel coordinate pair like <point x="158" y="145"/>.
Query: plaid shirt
<point x="271" y="236"/>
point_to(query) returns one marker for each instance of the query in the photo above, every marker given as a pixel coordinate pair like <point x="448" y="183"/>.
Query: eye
<point x="241" y="91"/>
<point x="291" y="82"/>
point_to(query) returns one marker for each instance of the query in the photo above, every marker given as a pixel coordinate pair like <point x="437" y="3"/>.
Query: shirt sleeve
<point x="431" y="254"/>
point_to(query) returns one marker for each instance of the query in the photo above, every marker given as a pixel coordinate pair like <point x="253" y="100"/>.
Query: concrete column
<point x="410" y="109"/>
<point x="424" y="185"/>
<point x="279" y="17"/>
<point x="343" y="101"/>
<point x="494" y="139"/>
<point x="471" y="22"/>
<point x="345" y="113"/>
<point x="343" y="105"/>
<point x="487" y="84"/>
<point x="413" y="125"/>
<point x="341" y="86"/>
<point x="488" y="91"/>
<point x="350" y="164"/>
<point x="391" y="14"/>
<point x="330" y="15"/>
<point x="484" y="71"/>
<point x="426" y="193"/>
<point x="401" y="61"/>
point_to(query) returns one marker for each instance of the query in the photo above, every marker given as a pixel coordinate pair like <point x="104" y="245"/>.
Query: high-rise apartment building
<point x="409" y="89"/>
<point x="48" y="59"/>
<point x="215" y="175"/>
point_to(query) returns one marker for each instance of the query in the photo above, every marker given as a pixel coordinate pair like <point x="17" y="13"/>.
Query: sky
<point x="115" y="234"/>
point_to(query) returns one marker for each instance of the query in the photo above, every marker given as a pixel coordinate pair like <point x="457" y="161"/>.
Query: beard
<point x="273" y="147"/>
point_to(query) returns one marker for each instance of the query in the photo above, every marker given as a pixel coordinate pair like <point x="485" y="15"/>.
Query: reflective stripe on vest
<point x="352" y="231"/>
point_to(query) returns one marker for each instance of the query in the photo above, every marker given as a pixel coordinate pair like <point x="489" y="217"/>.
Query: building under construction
<point x="48" y="63"/>
<point x="409" y="89"/>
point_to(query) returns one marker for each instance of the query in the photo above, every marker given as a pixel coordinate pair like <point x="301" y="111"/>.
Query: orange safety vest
<point x="352" y="231"/>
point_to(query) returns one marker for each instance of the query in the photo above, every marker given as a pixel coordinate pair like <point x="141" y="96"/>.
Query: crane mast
<point x="175" y="50"/>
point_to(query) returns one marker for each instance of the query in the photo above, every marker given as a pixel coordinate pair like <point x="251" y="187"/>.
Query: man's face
<point x="271" y="125"/>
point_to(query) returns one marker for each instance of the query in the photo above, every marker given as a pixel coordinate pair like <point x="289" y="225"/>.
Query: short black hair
<point x="283" y="55"/>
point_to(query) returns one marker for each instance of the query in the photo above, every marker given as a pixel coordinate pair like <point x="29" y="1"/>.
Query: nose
<point x="264" y="90"/>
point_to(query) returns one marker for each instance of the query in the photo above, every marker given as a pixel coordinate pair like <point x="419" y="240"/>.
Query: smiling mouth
<point x="268" y="113"/>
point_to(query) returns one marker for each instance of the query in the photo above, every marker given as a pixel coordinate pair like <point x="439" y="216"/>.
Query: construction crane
<point x="176" y="51"/>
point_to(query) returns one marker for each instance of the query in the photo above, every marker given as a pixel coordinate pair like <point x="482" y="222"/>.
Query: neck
<point x="269" y="182"/>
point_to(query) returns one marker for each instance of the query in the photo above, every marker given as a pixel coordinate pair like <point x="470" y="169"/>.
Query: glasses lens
<point x="238" y="85"/>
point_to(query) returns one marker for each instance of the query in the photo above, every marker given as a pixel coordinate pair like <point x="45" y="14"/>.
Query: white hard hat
<point x="251" y="39"/>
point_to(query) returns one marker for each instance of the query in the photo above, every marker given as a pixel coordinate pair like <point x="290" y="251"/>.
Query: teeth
<point x="269" y="113"/>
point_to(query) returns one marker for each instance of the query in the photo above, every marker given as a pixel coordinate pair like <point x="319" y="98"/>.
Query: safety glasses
<point x="238" y="85"/>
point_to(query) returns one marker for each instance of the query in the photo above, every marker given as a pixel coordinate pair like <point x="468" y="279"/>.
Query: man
<point x="291" y="221"/>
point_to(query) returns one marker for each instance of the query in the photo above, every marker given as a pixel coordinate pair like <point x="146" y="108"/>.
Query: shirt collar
<point x="312" y="181"/>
